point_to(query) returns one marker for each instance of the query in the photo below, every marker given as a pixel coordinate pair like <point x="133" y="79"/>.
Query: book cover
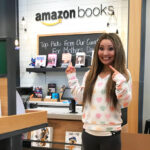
<point x="66" y="59"/>
<point x="73" y="138"/>
<point x="40" y="61"/>
<point x="43" y="134"/>
<point x="80" y="59"/>
<point x="52" y="87"/>
<point x="52" y="60"/>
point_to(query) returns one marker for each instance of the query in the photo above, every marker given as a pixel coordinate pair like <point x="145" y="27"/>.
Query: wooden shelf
<point x="43" y="100"/>
<point x="17" y="124"/>
<point x="57" y="69"/>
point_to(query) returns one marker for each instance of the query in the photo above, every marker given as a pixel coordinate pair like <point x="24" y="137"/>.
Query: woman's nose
<point x="105" y="52"/>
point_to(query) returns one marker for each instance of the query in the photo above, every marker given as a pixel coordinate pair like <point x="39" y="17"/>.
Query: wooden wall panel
<point x="134" y="60"/>
<point x="61" y="126"/>
<point x="135" y="141"/>
<point x="4" y="96"/>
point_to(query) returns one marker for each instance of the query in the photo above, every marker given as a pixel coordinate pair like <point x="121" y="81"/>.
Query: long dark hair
<point x="97" y="67"/>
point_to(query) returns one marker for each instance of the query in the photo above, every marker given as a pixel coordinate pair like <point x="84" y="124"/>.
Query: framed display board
<point x="68" y="43"/>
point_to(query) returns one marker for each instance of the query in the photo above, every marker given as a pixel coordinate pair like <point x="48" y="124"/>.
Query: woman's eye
<point x="101" y="48"/>
<point x="111" y="48"/>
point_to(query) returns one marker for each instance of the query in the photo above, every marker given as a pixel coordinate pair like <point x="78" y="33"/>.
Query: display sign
<point x="68" y="43"/>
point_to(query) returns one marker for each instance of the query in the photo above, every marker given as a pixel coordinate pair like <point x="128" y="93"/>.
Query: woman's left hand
<point x="114" y="70"/>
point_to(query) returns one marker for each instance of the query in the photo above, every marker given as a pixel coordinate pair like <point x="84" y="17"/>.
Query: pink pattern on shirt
<point x="107" y="116"/>
<point x="112" y="123"/>
<point x="100" y="84"/>
<point x="72" y="78"/>
<point x="99" y="99"/>
<point x="98" y="115"/>
<point x="127" y="97"/>
<point x="126" y="104"/>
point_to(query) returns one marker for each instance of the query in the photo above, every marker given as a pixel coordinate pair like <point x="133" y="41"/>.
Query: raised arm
<point x="123" y="87"/>
<point x="76" y="89"/>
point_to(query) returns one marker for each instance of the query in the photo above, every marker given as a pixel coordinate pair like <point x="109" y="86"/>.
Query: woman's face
<point x="106" y="52"/>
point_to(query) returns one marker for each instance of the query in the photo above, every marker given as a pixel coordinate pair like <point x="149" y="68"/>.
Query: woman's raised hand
<point x="70" y="69"/>
<point x="114" y="70"/>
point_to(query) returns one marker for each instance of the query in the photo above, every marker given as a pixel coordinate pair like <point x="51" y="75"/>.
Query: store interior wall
<point x="28" y="38"/>
<point x="146" y="98"/>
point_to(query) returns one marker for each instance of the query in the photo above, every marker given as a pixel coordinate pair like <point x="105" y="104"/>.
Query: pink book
<point x="52" y="60"/>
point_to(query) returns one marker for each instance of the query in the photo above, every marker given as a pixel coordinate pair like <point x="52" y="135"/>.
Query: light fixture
<point x="16" y="42"/>
<point x="112" y="24"/>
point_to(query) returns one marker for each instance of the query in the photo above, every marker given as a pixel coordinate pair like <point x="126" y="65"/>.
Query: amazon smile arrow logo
<point x="52" y="24"/>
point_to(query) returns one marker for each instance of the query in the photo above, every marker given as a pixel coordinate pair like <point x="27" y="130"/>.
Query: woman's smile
<point x="106" y="52"/>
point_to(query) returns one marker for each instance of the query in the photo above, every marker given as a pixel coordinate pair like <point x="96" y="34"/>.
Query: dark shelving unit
<point x="57" y="69"/>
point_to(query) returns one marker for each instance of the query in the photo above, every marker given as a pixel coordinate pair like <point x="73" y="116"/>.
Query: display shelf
<point x="36" y="70"/>
<point x="57" y="69"/>
<point x="43" y="99"/>
<point x="129" y="141"/>
<point x="50" y="142"/>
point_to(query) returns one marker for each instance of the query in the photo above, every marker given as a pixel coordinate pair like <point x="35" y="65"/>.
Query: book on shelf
<point x="40" y="61"/>
<point x="73" y="138"/>
<point x="66" y="59"/>
<point x="80" y="59"/>
<point x="51" y="60"/>
<point x="52" y="87"/>
<point x="43" y="134"/>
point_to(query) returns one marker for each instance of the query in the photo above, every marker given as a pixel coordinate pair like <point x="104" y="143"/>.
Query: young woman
<point x="106" y="88"/>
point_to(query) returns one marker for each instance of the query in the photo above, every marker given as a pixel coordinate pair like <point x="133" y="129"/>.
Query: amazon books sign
<point x="55" y="17"/>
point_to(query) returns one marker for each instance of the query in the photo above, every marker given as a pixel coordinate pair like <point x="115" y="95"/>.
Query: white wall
<point x="28" y="40"/>
<point x="146" y="99"/>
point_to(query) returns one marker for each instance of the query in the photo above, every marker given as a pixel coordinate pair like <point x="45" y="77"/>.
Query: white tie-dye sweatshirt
<point x="100" y="115"/>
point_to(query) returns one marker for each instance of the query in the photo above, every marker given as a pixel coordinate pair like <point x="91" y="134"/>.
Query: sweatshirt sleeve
<point x="123" y="89"/>
<point x="76" y="89"/>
